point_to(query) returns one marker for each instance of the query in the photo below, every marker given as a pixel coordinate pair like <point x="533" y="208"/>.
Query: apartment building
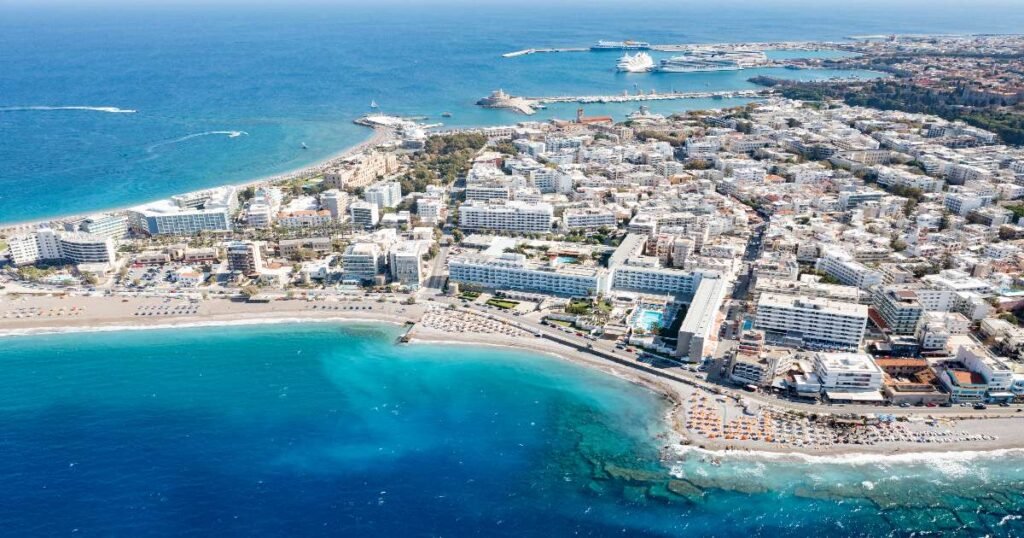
<point x="513" y="216"/>
<point x="245" y="257"/>
<point x="362" y="262"/>
<point x="848" y="372"/>
<point x="848" y="271"/>
<point x="588" y="218"/>
<point x="364" y="214"/>
<point x="384" y="194"/>
<point x="811" y="322"/>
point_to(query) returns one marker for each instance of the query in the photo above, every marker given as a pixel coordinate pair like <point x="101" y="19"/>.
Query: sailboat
<point x="373" y="104"/>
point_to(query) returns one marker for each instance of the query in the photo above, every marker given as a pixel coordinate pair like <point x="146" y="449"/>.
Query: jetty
<point x="528" y="105"/>
<point x="653" y="96"/>
<point x="524" y="52"/>
<point x="687" y="47"/>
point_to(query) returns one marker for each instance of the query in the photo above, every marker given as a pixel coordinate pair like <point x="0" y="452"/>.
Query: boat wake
<point x="107" y="109"/>
<point x="229" y="134"/>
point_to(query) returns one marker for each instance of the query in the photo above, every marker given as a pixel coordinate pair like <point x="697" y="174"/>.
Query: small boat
<point x="446" y="115"/>
<point x="373" y="104"/>
<point x="304" y="146"/>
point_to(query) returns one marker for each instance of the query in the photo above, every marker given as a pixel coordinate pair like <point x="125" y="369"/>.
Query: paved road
<point x="606" y="349"/>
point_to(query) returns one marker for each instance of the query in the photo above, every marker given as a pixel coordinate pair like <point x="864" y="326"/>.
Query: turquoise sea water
<point x="287" y="74"/>
<point x="322" y="429"/>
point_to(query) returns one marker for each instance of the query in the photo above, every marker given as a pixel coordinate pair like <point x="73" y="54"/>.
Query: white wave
<point x="868" y="485"/>
<point x="1010" y="517"/>
<point x="107" y="109"/>
<point x="950" y="463"/>
<point x="185" y="325"/>
<point x="229" y="134"/>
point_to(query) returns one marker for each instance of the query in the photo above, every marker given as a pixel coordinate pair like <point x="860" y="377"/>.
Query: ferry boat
<point x="640" y="62"/>
<point x="621" y="45"/>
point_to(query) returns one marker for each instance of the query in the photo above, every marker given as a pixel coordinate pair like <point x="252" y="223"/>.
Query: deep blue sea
<point x="299" y="72"/>
<point x="332" y="430"/>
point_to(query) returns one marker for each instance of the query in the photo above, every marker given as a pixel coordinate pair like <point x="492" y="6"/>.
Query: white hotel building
<point x="695" y="338"/>
<point x="512" y="271"/>
<point x="384" y="194"/>
<point x="589" y="218"/>
<point x="848" y="372"/>
<point x="848" y="271"/>
<point x="632" y="271"/>
<point x="46" y="244"/>
<point x="516" y="217"/>
<point x="186" y="214"/>
<point x="812" y="322"/>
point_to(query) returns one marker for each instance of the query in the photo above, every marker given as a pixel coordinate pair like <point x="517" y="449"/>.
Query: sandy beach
<point x="696" y="418"/>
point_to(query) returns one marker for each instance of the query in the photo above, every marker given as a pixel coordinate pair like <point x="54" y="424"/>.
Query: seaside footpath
<point x="695" y="418"/>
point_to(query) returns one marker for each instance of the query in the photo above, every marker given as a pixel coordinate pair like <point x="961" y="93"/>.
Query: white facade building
<point x="513" y="271"/>
<point x="364" y="214"/>
<point x="695" y="338"/>
<point x="384" y="194"/>
<point x="848" y="372"/>
<point x="46" y="244"/>
<point x="516" y="217"/>
<point x="589" y="218"/>
<point x="812" y="322"/>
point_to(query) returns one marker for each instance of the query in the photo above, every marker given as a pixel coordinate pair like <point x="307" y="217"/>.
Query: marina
<point x="528" y="105"/>
<point x="627" y="98"/>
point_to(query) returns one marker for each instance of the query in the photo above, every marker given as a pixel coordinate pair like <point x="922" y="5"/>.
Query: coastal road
<point x="437" y="272"/>
<point x="605" y="349"/>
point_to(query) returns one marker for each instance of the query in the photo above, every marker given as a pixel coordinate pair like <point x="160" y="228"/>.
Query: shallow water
<point x="334" y="430"/>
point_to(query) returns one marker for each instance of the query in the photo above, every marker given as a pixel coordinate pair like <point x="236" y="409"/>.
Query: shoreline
<point x="377" y="136"/>
<point x="51" y="315"/>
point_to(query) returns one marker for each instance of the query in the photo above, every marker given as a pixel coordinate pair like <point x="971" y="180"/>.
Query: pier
<point x="527" y="105"/>
<point x="627" y="98"/>
<point x="686" y="47"/>
<point x="524" y="52"/>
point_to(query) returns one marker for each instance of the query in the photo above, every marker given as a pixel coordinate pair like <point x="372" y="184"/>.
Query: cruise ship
<point x="712" y="60"/>
<point x="640" y="62"/>
<point x="621" y="45"/>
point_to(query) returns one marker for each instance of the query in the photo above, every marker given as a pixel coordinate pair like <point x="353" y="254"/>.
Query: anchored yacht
<point x="640" y="62"/>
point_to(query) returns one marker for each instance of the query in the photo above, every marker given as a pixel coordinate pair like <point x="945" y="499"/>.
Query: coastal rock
<point x="684" y="488"/>
<point x="631" y="475"/>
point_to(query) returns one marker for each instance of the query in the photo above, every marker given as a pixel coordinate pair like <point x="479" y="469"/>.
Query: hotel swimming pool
<point x="561" y="260"/>
<point x="647" y="319"/>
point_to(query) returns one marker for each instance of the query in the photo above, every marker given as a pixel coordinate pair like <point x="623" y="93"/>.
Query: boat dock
<point x="686" y="47"/>
<point x="627" y="98"/>
<point x="524" y="52"/>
